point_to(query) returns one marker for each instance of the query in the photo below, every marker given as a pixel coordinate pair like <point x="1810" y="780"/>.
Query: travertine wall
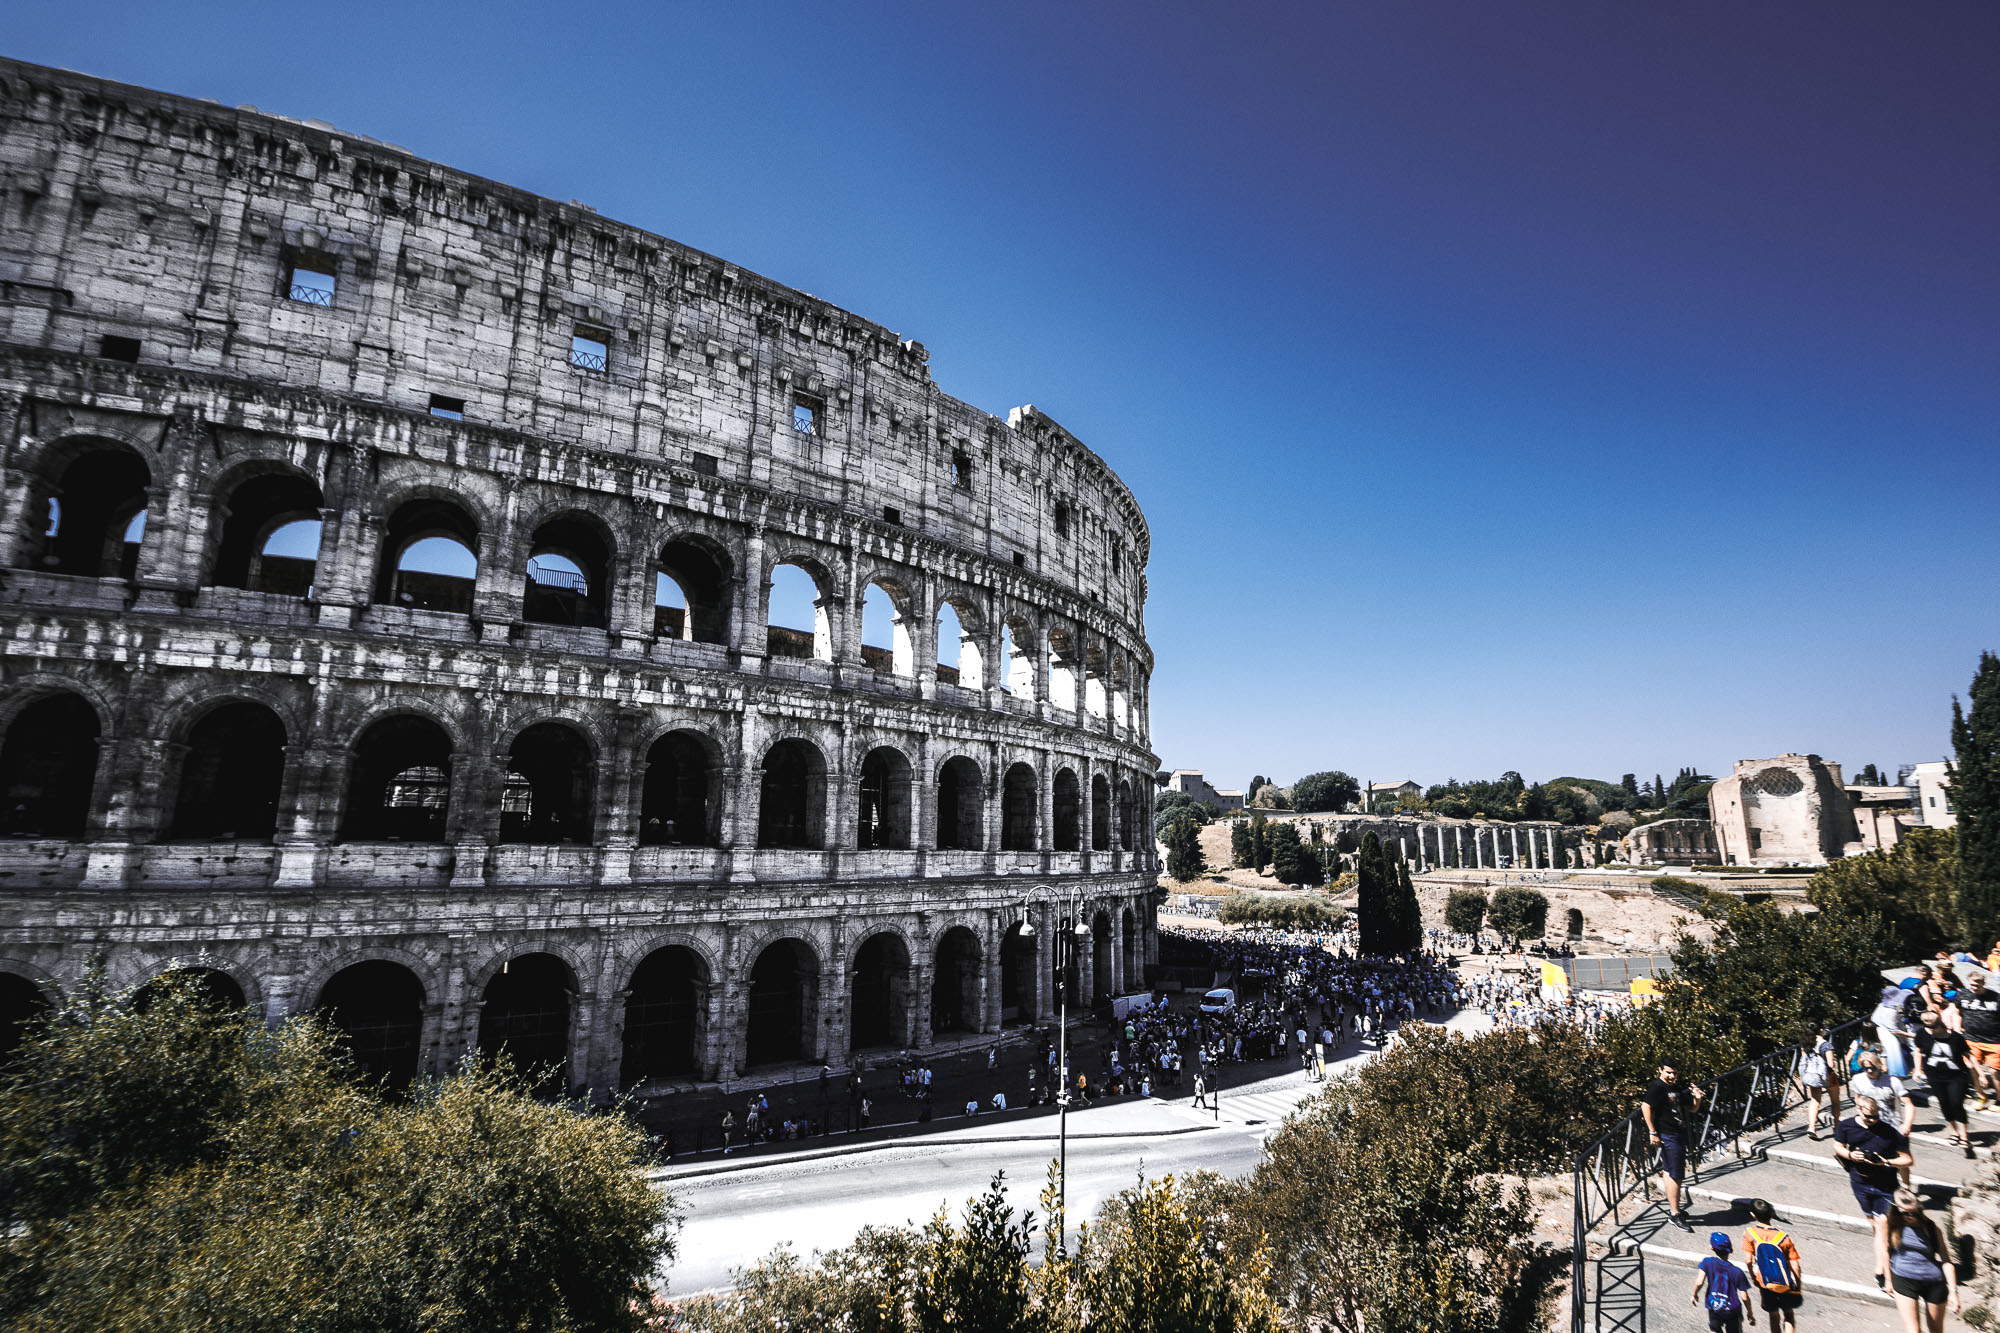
<point x="165" y="350"/>
<point x="1790" y="810"/>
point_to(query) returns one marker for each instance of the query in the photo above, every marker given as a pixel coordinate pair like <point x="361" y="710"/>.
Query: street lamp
<point x="1066" y="942"/>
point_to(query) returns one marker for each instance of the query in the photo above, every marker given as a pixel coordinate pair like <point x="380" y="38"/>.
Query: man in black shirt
<point x="1664" y="1104"/>
<point x="1979" y="1007"/>
<point x="1873" y="1151"/>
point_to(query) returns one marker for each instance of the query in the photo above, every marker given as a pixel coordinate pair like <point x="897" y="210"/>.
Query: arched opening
<point x="546" y="796"/>
<point x="524" y="1017"/>
<point x="677" y="801"/>
<point x="93" y="507"/>
<point x="1017" y="661"/>
<point x="1017" y="809"/>
<point x="1100" y="813"/>
<point x="48" y="763"/>
<point x="1094" y="672"/>
<point x="230" y="774"/>
<point x="399" y="781"/>
<point x="796" y="622"/>
<point x="430" y="558"/>
<point x="1128" y="937"/>
<point x="691" y="593"/>
<point x="959" y="659"/>
<point x="885" y="632"/>
<point x="879" y="1012"/>
<point x="792" y="811"/>
<point x="378" y="1009"/>
<point x="22" y="1006"/>
<point x="1062" y="669"/>
<point x="569" y="574"/>
<point x="1017" y="976"/>
<point x="1127" y="819"/>
<point x="783" y="1011"/>
<point x="269" y="534"/>
<point x="212" y="987"/>
<point x="961" y="802"/>
<point x="1068" y="811"/>
<point x="955" y="983"/>
<point x="1100" y="956"/>
<point x="1573" y="922"/>
<point x="884" y="816"/>
<point x="665" y="1017"/>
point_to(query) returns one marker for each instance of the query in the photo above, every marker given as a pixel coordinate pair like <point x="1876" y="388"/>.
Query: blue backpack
<point x="1774" y="1268"/>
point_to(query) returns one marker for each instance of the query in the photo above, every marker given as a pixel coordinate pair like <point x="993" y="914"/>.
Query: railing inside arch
<point x="312" y="295"/>
<point x="1749" y="1098"/>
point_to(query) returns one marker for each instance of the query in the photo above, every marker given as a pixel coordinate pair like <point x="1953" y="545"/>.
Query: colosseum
<point x="389" y="625"/>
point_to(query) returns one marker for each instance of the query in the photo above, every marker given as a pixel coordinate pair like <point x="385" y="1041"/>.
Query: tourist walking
<point x="1922" y="1276"/>
<point x="1665" y="1104"/>
<point x="1775" y="1268"/>
<point x="1979" y="1008"/>
<point x="1821" y="1075"/>
<point x="1875" y="1154"/>
<point x="1947" y="1066"/>
<point x="1891" y="1095"/>
<point x="1721" y="1288"/>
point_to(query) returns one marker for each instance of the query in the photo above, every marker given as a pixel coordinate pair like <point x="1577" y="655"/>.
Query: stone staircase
<point x="1807" y="1186"/>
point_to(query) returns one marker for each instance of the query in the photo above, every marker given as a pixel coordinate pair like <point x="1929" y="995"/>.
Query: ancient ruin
<point x="388" y="555"/>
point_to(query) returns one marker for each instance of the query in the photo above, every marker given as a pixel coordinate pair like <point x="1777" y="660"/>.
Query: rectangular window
<point x="961" y="470"/>
<point x="451" y="409"/>
<point x="890" y="514"/>
<point x="705" y="464"/>
<point x="1118" y="567"/>
<point x="806" y="414"/>
<point x="1020" y="560"/>
<point x="113" y="348"/>
<point x="311" y="286"/>
<point x="589" y="348"/>
<point x="1062" y="519"/>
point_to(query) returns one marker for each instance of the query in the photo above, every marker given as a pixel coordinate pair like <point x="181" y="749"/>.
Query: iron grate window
<point x="589" y="349"/>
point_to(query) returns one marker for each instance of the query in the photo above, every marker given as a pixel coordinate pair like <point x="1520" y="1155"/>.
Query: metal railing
<point x="312" y="295"/>
<point x="586" y="360"/>
<point x="1744" y="1100"/>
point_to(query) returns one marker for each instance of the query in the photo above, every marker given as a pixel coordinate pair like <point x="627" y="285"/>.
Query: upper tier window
<point x="589" y="348"/>
<point x="312" y="286"/>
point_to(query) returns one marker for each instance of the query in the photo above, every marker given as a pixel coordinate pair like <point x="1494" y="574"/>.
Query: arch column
<point x="312" y="779"/>
<point x="1044" y="838"/>
<point x="584" y="1046"/>
<point x="923" y="803"/>
<point x="350" y="542"/>
<point x="615" y="803"/>
<point x="474" y="824"/>
<point x="497" y="587"/>
<point x="747" y="611"/>
<point x="992" y="998"/>
<point x="176" y="524"/>
<point x="630" y="614"/>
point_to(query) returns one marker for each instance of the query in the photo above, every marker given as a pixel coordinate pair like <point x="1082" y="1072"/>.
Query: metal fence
<point x="1749" y="1098"/>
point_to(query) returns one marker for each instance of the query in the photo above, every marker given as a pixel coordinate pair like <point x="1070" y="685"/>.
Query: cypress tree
<point x="1975" y="795"/>
<point x="1370" y="904"/>
<point x="1659" y="791"/>
<point x="1239" y="844"/>
<point x="1405" y="912"/>
<point x="1183" y="843"/>
<point x="1260" y="843"/>
<point x="1285" y="853"/>
<point x="1312" y="872"/>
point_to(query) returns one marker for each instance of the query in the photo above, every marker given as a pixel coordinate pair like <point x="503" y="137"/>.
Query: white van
<point x="1218" y="1001"/>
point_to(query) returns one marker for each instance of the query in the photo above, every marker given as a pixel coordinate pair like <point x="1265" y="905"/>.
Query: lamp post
<point x="1066" y="942"/>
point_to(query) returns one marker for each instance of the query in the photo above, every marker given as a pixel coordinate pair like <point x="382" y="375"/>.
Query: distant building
<point x="1795" y="810"/>
<point x="1387" y="794"/>
<point x="1190" y="783"/>
<point x="1932" y="783"/>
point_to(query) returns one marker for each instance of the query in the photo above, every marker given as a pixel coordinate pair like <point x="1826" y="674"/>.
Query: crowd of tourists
<point x="1939" y="1028"/>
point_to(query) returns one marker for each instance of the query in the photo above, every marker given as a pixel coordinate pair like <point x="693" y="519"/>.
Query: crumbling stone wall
<point x="214" y="321"/>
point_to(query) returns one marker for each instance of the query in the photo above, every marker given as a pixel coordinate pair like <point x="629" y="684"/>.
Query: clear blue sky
<point x="1572" y="387"/>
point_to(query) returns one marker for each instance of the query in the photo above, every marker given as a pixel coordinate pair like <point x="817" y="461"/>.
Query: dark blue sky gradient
<point x="1576" y="388"/>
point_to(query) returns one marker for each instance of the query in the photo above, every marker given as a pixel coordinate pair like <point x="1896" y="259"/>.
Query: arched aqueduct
<point x="499" y="626"/>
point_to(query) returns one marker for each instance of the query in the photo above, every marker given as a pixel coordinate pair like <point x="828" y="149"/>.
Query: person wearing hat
<point x="1721" y="1288"/>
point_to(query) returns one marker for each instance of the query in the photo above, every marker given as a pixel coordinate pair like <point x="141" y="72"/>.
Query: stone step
<point x="1668" y="1309"/>
<point x="1807" y="1190"/>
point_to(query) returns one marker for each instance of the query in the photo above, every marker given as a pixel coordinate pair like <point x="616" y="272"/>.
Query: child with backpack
<point x="1773" y="1261"/>
<point x="1721" y="1287"/>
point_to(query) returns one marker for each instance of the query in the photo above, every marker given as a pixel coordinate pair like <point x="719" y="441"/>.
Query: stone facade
<point x="1791" y="810"/>
<point x="1432" y="842"/>
<point x="1191" y="782"/>
<point x="1671" y="842"/>
<point x="286" y="413"/>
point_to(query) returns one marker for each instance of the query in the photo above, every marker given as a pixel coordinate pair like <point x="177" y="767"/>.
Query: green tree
<point x="1325" y="791"/>
<point x="1630" y="782"/>
<point x="1406" y="918"/>
<point x="1312" y="870"/>
<point x="1256" y="784"/>
<point x="1241" y="848"/>
<point x="1770" y="976"/>
<point x="1912" y="888"/>
<point x="1182" y="840"/>
<point x="1285" y="853"/>
<point x="1465" y="911"/>
<point x="1975" y="795"/>
<point x="1869" y="776"/>
<point x="1372" y="903"/>
<point x="1519" y="914"/>
<point x="179" y="1167"/>
<point x="1260" y="843"/>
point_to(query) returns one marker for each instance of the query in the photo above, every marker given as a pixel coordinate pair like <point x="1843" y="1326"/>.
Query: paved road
<point x="734" y="1217"/>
